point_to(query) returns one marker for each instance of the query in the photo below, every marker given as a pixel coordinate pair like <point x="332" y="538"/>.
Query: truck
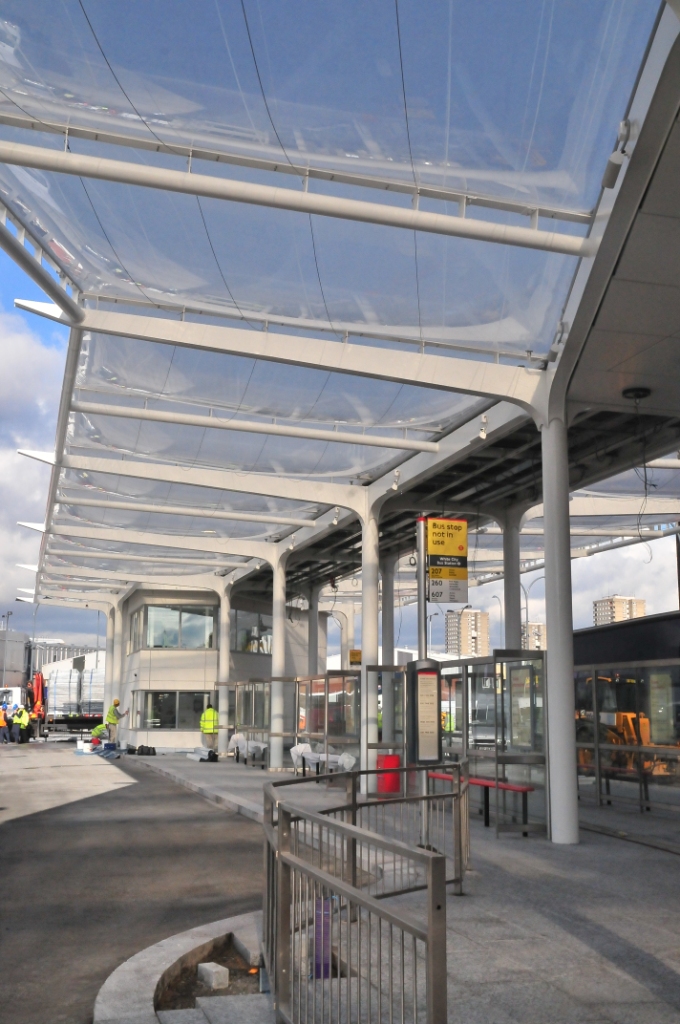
<point x="75" y="692"/>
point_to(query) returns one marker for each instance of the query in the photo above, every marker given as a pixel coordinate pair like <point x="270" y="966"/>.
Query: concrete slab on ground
<point x="237" y="1009"/>
<point x="238" y="787"/>
<point x="39" y="776"/>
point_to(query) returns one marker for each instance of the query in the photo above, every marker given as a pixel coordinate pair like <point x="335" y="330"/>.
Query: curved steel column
<point x="561" y="731"/>
<point x="278" y="665"/>
<point x="313" y="631"/>
<point x="512" y="594"/>
<point x="369" y="638"/>
<point x="108" y="666"/>
<point x="223" y="670"/>
<point x="387" y="570"/>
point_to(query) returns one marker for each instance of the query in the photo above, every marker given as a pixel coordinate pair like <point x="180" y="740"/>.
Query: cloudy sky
<point x="33" y="352"/>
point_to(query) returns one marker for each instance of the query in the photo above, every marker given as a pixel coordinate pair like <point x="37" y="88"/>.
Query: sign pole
<point x="421" y="570"/>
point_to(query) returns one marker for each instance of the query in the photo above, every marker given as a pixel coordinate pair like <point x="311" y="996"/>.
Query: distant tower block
<point x="617" y="609"/>
<point x="467" y="633"/>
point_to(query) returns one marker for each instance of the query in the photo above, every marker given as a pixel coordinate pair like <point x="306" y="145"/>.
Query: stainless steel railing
<point x="355" y="918"/>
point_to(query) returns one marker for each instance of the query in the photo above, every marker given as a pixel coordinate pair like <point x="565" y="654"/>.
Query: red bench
<point x="489" y="784"/>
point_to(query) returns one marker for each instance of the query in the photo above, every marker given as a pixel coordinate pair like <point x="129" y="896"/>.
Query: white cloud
<point x="31" y="374"/>
<point x="30" y="383"/>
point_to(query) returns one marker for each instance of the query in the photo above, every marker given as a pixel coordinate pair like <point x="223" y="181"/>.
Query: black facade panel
<point x="651" y="638"/>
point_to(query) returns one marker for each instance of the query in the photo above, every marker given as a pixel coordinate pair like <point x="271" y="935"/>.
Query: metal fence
<point x="354" y="916"/>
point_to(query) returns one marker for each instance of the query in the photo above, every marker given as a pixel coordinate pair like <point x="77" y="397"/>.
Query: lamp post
<point x="527" y="591"/>
<point x="430" y="617"/>
<point x="501" y="639"/>
<point x="6" y="617"/>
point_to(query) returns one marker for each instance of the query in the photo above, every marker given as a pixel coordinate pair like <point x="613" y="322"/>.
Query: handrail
<point x="355" y="832"/>
<point x="341" y="888"/>
<point x="333" y="945"/>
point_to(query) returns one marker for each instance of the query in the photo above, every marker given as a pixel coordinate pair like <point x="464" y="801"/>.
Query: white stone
<point x="213" y="975"/>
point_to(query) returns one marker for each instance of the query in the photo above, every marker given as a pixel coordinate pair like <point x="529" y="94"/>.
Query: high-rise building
<point x="534" y="636"/>
<point x="617" y="608"/>
<point x="467" y="633"/>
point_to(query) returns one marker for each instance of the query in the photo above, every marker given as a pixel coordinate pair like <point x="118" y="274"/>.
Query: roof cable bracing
<point x="413" y="169"/>
<point x="304" y="179"/>
<point x="163" y="143"/>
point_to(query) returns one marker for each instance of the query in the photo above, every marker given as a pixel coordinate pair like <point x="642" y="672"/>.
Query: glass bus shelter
<point x="493" y="713"/>
<point x="252" y="719"/>
<point x="328" y="720"/>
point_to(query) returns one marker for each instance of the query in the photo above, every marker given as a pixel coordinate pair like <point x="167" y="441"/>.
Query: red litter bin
<point x="389" y="782"/>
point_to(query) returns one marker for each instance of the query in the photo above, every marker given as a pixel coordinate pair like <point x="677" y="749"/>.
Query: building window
<point x="189" y="628"/>
<point x="153" y="709"/>
<point x="251" y="632"/>
<point x="136" y="630"/>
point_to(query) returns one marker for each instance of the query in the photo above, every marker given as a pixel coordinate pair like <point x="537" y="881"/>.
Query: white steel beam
<point x="262" y="484"/>
<point x="195" y="151"/>
<point x="516" y="384"/>
<point x="250" y="549"/>
<point x="456" y="339"/>
<point x="82" y="576"/>
<point x="614" y="505"/>
<point x="42" y="277"/>
<point x="185" y="510"/>
<point x="185" y="182"/>
<point x="252" y="427"/>
<point x="119" y="556"/>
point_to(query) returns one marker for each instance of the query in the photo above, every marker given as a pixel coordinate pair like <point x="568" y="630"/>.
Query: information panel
<point x="447" y="560"/>
<point x="428" y="716"/>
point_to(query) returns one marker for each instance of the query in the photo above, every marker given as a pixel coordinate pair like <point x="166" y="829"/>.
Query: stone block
<point x="213" y="976"/>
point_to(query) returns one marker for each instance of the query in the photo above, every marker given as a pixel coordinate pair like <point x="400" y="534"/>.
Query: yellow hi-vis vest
<point x="21" y="719"/>
<point x="209" y="721"/>
<point x="112" y="716"/>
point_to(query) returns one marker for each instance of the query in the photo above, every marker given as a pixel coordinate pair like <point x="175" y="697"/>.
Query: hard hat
<point x="15" y="708"/>
<point x="21" y="707"/>
<point x="116" y="701"/>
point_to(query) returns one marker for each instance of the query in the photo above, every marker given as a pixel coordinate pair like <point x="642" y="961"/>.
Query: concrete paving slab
<point x="237" y="1009"/>
<point x="40" y="776"/>
<point x="237" y="787"/>
<point x="195" y="1016"/>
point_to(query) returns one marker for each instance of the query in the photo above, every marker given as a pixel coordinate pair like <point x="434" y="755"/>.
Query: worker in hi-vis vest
<point x="209" y="724"/>
<point x="113" y="717"/>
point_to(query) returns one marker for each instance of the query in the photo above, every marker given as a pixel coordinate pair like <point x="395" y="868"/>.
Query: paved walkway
<point x="91" y="882"/>
<point x="545" y="934"/>
<point x="236" y="786"/>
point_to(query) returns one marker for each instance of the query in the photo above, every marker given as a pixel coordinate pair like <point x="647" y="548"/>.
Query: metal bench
<point x="489" y="784"/>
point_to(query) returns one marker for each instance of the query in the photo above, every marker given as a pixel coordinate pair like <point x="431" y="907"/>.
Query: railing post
<point x="351" y="865"/>
<point x="436" y="941"/>
<point x="457" y="834"/>
<point x="283" y="922"/>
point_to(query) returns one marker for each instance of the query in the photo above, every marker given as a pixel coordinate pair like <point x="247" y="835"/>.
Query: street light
<point x="6" y="617"/>
<point x="527" y="591"/>
<point x="501" y="639"/>
<point x="430" y="617"/>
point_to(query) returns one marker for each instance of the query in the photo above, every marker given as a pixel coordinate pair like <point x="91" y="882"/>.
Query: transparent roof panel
<point x="152" y="246"/>
<point x="100" y="485"/>
<point x="160" y="522"/>
<point x="508" y="97"/>
<point x="516" y="102"/>
<point x="250" y="387"/>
